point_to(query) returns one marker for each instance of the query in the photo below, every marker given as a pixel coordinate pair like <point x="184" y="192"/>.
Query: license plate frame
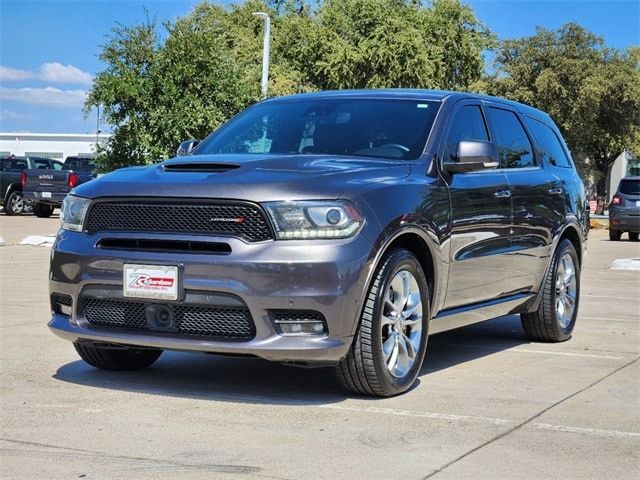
<point x="46" y="194"/>
<point x="153" y="282"/>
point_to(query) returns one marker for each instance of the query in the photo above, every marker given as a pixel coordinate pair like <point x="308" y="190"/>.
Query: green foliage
<point x="592" y="92"/>
<point x="164" y="84"/>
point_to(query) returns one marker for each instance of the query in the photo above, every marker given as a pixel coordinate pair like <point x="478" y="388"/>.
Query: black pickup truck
<point x="11" y="169"/>
<point x="44" y="190"/>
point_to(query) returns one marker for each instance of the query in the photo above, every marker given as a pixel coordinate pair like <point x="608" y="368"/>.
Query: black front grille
<point x="232" y="219"/>
<point x="291" y="316"/>
<point x="191" y="320"/>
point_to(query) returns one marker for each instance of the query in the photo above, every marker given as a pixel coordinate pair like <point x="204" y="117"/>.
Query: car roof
<point x="630" y="178"/>
<point x="414" y="93"/>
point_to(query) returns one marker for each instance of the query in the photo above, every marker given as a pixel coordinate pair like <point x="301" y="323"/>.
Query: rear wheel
<point x="614" y="235"/>
<point x="42" y="211"/>
<point x="110" y="358"/>
<point x="556" y="316"/>
<point x="14" y="204"/>
<point x="633" y="236"/>
<point x="389" y="347"/>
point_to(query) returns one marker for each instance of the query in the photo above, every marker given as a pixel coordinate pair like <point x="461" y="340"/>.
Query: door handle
<point x="556" y="191"/>
<point x="502" y="194"/>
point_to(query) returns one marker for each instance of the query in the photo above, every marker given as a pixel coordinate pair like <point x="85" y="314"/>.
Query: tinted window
<point x="630" y="187"/>
<point x="549" y="143"/>
<point x="40" y="163"/>
<point x="467" y="124"/>
<point x="78" y="164"/>
<point x="56" y="165"/>
<point x="16" y="165"/>
<point x="514" y="147"/>
<point x="384" y="128"/>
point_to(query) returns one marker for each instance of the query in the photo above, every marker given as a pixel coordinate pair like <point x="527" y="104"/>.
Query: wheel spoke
<point x="388" y="346"/>
<point x="393" y="358"/>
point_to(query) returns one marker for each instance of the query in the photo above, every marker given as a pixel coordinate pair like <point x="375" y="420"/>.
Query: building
<point x="625" y="165"/>
<point x="50" y="145"/>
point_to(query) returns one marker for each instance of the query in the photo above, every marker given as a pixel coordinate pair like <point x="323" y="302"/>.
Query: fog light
<point x="298" y="322"/>
<point x="62" y="304"/>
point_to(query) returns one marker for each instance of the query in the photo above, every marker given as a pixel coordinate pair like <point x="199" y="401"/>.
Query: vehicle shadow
<point x="252" y="380"/>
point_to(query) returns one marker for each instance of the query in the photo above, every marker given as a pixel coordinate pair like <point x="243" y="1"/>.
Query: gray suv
<point x="335" y="228"/>
<point x="624" y="210"/>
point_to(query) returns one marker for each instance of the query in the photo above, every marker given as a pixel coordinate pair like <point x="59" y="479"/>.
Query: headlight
<point x="314" y="219"/>
<point x="73" y="212"/>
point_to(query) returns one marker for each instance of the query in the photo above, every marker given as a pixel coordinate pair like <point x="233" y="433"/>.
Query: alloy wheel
<point x="401" y="323"/>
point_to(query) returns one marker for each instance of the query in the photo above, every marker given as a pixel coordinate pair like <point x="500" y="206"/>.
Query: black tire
<point x="633" y="236"/>
<point x="543" y="324"/>
<point x="363" y="370"/>
<point x="614" y="235"/>
<point x="41" y="210"/>
<point x="122" y="359"/>
<point x="14" y="205"/>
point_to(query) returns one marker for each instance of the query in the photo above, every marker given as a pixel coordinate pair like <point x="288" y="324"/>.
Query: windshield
<point x="381" y="128"/>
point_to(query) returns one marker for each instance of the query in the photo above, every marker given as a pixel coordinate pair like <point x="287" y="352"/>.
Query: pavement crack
<point x="219" y="468"/>
<point x="527" y="421"/>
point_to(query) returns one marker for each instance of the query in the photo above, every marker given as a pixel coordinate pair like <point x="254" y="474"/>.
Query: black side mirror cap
<point x="187" y="147"/>
<point x="473" y="156"/>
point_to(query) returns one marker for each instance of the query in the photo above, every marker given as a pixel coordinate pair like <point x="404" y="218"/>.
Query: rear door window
<point x="467" y="124"/>
<point x="514" y="147"/>
<point x="549" y="143"/>
<point x="630" y="187"/>
<point x="40" y="163"/>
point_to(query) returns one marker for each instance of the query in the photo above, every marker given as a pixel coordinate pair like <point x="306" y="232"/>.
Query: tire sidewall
<point x="565" y="247"/>
<point x="400" y="260"/>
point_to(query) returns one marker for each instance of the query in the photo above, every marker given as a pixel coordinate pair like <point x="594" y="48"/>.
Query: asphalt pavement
<point x="489" y="404"/>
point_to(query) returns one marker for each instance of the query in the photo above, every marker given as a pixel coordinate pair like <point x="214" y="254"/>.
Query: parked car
<point x="624" y="210"/>
<point x="336" y="228"/>
<point x="44" y="190"/>
<point x="11" y="169"/>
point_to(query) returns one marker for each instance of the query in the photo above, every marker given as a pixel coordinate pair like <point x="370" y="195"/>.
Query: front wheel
<point x="556" y="316"/>
<point x="121" y="358"/>
<point x="390" y="344"/>
<point x="614" y="235"/>
<point x="14" y="204"/>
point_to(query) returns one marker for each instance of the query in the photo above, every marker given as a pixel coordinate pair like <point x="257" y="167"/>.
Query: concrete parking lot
<point x="488" y="405"/>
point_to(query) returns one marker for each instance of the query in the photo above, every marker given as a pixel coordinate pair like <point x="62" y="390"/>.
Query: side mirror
<point x="474" y="155"/>
<point x="186" y="147"/>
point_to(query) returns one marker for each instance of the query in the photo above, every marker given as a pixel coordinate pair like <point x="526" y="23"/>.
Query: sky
<point x="49" y="48"/>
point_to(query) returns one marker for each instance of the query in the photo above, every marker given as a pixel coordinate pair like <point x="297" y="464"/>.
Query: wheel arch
<point x="10" y="189"/>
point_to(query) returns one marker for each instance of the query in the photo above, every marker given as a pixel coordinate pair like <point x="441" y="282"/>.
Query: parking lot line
<point x="588" y="431"/>
<point x="419" y="414"/>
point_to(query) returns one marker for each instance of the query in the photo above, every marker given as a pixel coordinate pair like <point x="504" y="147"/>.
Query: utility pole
<point x="265" y="52"/>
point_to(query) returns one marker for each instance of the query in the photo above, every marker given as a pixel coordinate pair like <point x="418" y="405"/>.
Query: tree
<point x="165" y="83"/>
<point x="591" y="91"/>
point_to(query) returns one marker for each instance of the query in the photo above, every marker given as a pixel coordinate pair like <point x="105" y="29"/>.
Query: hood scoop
<point x="201" y="167"/>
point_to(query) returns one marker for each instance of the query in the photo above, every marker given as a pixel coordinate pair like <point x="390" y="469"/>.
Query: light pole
<point x="265" y="52"/>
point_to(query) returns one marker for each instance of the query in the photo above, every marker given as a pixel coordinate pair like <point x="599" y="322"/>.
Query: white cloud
<point x="48" y="96"/>
<point x="52" y="72"/>
<point x="14" y="116"/>
<point x="8" y="74"/>
<point x="58" y="73"/>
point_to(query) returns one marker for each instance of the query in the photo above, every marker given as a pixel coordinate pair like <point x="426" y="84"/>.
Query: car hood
<point x="256" y="178"/>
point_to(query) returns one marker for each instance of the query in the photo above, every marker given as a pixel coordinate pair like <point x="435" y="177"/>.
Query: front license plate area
<point x="637" y="203"/>
<point x="151" y="281"/>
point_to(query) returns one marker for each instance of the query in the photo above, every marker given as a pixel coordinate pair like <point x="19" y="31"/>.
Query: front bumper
<point x="323" y="276"/>
<point x="55" y="199"/>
